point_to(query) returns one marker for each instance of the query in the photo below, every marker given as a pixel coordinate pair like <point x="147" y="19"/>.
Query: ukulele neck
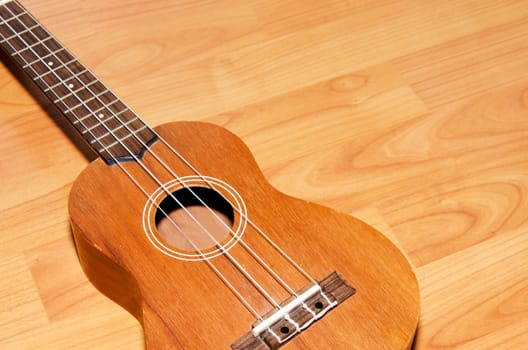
<point x="107" y="124"/>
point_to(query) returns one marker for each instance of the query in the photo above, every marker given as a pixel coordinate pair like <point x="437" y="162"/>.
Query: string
<point x="246" y="246"/>
<point x="111" y="132"/>
<point x="260" y="231"/>
<point x="220" y="275"/>
<point x="238" y="265"/>
<point x="146" y="169"/>
<point x="255" y="226"/>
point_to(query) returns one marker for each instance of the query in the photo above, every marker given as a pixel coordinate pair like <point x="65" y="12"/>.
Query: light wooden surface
<point x="412" y="116"/>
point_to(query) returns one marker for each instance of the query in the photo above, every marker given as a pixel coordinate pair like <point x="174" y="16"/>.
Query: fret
<point x="120" y="141"/>
<point x="48" y="44"/>
<point x="81" y="120"/>
<point x="118" y="124"/>
<point x="25" y="30"/>
<point x="70" y="82"/>
<point x="4" y="10"/>
<point x="107" y="106"/>
<point x="100" y="88"/>
<point x="69" y="110"/>
<point x="123" y="111"/>
<point x="124" y="124"/>
<point x="62" y="75"/>
<point x="52" y="70"/>
<point x="16" y="42"/>
<point x="100" y="139"/>
<point x="61" y="83"/>
<point x="115" y="115"/>
<point x="28" y="21"/>
<point x="112" y="132"/>
<point x="29" y="47"/>
<point x="89" y="95"/>
<point x="91" y="128"/>
<point x="43" y="58"/>
<point x="73" y="92"/>
<point x="29" y="37"/>
<point x="85" y="77"/>
<point x="112" y="114"/>
<point x="22" y="32"/>
<point x="44" y="67"/>
<point x="99" y="116"/>
<point x="14" y="45"/>
<point x="103" y="99"/>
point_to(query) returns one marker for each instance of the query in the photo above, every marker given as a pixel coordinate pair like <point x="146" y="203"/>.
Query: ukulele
<point x="178" y="225"/>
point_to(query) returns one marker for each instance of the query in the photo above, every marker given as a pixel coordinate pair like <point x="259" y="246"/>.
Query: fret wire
<point x="115" y="115"/>
<point x="22" y="32"/>
<point x="30" y="47"/>
<point x="86" y="101"/>
<point x="33" y="69"/>
<point x="22" y="29"/>
<point x="106" y="148"/>
<point x="89" y="129"/>
<point x="97" y="96"/>
<point x="116" y="129"/>
<point x="44" y="67"/>
<point x="14" y="16"/>
<point x="122" y="111"/>
<point x="130" y="134"/>
<point x="11" y="45"/>
<point x="52" y="70"/>
<point x="43" y="57"/>
<point x="134" y="134"/>
<point x="110" y="118"/>
<point x="39" y="32"/>
<point x="75" y="91"/>
<point x="106" y="106"/>
<point x="212" y="266"/>
<point x="80" y="120"/>
<point x="95" y="126"/>
<point x="61" y="83"/>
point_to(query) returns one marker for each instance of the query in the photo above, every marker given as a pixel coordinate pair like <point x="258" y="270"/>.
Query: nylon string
<point x="220" y="275"/>
<point x="236" y="263"/>
<point x="106" y="148"/>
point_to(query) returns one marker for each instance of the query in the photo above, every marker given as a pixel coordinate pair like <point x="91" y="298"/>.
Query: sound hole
<point x="194" y="218"/>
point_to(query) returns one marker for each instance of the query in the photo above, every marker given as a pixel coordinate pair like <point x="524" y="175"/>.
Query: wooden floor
<point x="411" y="115"/>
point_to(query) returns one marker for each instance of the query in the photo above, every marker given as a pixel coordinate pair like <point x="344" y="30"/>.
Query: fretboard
<point x="114" y="131"/>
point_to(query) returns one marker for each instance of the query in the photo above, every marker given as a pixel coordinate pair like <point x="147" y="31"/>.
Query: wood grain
<point x="183" y="305"/>
<point x="413" y="116"/>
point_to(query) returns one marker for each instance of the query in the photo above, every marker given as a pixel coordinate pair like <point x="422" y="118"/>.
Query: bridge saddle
<point x="296" y="314"/>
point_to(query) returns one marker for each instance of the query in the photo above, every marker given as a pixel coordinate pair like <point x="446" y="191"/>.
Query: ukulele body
<point x="183" y="304"/>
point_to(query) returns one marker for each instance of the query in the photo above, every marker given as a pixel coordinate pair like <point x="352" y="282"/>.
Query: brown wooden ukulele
<point x="178" y="225"/>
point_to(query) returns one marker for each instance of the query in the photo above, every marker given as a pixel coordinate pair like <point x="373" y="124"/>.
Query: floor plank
<point x="412" y="116"/>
